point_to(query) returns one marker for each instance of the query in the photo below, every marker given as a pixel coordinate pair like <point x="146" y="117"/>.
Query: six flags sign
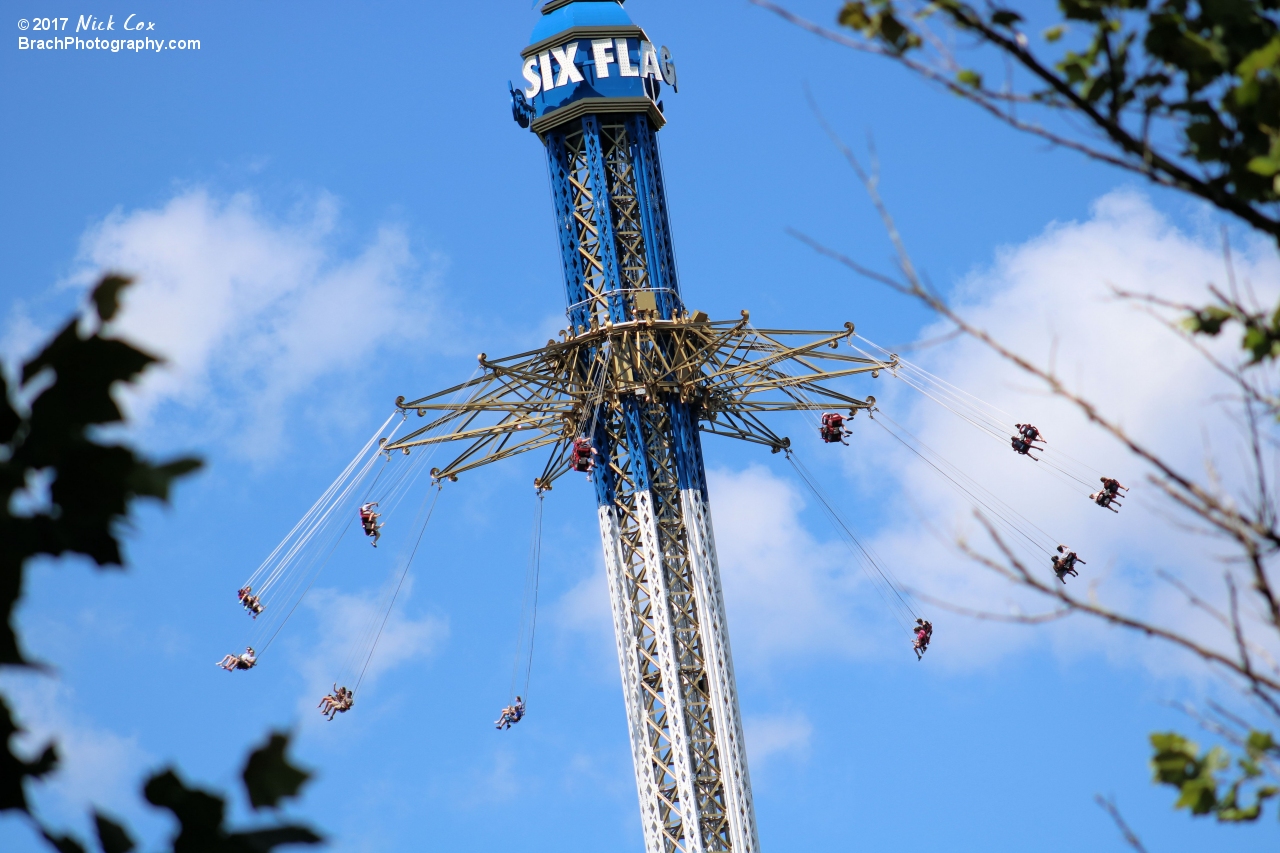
<point x="590" y="61"/>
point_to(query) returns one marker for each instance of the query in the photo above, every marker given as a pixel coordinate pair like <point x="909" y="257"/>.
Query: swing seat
<point x="582" y="460"/>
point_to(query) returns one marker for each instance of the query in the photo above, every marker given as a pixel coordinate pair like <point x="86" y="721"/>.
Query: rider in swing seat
<point x="924" y="633"/>
<point x="250" y="602"/>
<point x="369" y="522"/>
<point x="511" y="715"/>
<point x="337" y="702"/>
<point x="583" y="458"/>
<point x="1023" y="447"/>
<point x="832" y="429"/>
<point x="1066" y="563"/>
<point x="233" y="662"/>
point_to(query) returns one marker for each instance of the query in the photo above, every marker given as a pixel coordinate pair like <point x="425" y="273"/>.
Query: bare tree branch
<point x="1109" y="806"/>
<point x="1214" y="508"/>
<point x="1233" y="373"/>
<point x="1195" y="600"/>
<point x="987" y="615"/>
<point x="984" y="99"/>
<point x="1140" y="157"/>
<point x="1245" y="662"/>
<point x="1026" y="578"/>
<point x="1247" y="521"/>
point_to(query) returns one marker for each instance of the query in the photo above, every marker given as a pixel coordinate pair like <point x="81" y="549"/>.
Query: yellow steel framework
<point x="732" y="372"/>
<point x="622" y="386"/>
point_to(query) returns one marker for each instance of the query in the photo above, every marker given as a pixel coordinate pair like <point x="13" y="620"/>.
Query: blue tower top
<point x="587" y="57"/>
<point x="590" y="85"/>
<point x="578" y="13"/>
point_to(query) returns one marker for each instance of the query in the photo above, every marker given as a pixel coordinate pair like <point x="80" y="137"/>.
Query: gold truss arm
<point x="730" y="370"/>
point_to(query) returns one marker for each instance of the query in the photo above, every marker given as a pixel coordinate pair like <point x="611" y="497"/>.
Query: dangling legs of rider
<point x="233" y="662"/>
<point x="1105" y="500"/>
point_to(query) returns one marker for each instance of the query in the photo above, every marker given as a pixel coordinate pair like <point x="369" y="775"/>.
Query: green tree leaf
<point x="106" y="296"/>
<point x="878" y="20"/>
<point x="1178" y="762"/>
<point x="93" y="486"/>
<point x="200" y="816"/>
<point x="199" y="813"/>
<point x="1005" y="18"/>
<point x="1207" y="321"/>
<point x="263" y="840"/>
<point x="62" y="843"/>
<point x="14" y="771"/>
<point x="112" y="836"/>
<point x="268" y="775"/>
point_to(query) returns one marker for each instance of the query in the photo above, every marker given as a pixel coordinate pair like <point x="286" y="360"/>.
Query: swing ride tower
<point x="600" y="135"/>
<point x="641" y="377"/>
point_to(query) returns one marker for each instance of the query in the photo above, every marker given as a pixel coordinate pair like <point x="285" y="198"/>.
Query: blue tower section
<point x="592" y="90"/>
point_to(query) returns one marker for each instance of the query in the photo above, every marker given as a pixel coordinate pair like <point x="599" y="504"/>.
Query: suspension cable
<point x="403" y="574"/>
<point x="986" y="417"/>
<point x="898" y="600"/>
<point x="529" y="606"/>
<point x="1001" y="513"/>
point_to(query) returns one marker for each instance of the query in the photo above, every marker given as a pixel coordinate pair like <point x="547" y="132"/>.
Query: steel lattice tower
<point x="640" y="376"/>
<point x="664" y="581"/>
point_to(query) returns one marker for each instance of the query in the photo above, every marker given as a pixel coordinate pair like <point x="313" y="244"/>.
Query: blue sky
<point x="334" y="208"/>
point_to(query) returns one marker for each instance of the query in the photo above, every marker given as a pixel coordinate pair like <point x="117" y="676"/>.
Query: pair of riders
<point x="245" y="661"/>
<point x="337" y="702"/>
<point x="1025" y="441"/>
<point x="369" y="522"/>
<point x="1108" y="494"/>
<point x="924" y="633"/>
<point x="249" y="601"/>
<point x="511" y="715"/>
<point x="582" y="456"/>
<point x="1064" y="563"/>
<point x="832" y="429"/>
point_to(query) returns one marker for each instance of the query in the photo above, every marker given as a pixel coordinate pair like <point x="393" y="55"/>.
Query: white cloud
<point x="20" y="338"/>
<point x="348" y="625"/>
<point x="585" y="607"/>
<point x="770" y="735"/>
<point x="793" y="593"/>
<point x="250" y="311"/>
<point x="96" y="765"/>
<point x="1050" y="300"/>
<point x="785" y="591"/>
